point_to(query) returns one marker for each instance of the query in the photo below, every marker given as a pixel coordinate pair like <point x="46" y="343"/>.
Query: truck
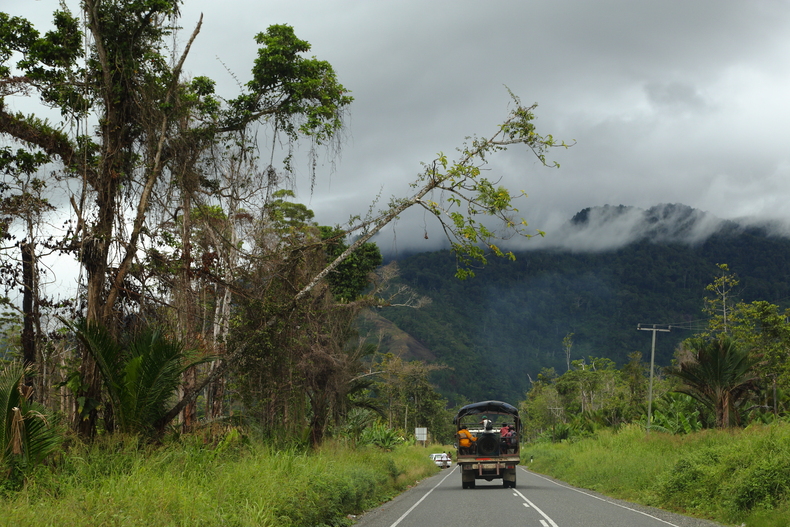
<point x="493" y="450"/>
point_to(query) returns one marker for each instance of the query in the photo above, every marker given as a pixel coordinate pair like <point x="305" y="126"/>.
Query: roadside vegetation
<point x="734" y="476"/>
<point x="199" y="480"/>
<point x="715" y="440"/>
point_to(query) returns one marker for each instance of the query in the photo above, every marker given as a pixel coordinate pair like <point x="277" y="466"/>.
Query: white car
<point x="442" y="460"/>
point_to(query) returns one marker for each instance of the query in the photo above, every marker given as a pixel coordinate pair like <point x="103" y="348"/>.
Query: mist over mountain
<point x="608" y="227"/>
<point x="607" y="270"/>
<point x="593" y="229"/>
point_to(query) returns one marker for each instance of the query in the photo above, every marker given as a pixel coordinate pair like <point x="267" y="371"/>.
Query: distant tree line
<point x="734" y="372"/>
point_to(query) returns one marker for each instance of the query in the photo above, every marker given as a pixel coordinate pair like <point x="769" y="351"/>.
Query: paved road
<point x="537" y="501"/>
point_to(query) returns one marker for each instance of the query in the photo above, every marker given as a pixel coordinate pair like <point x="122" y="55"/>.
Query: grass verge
<point x="731" y="476"/>
<point x="236" y="483"/>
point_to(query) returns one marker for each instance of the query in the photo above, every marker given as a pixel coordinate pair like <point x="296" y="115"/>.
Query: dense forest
<point x="496" y="331"/>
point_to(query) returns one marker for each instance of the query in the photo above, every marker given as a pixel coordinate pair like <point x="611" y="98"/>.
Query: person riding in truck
<point x="486" y="422"/>
<point x="465" y="440"/>
<point x="505" y="433"/>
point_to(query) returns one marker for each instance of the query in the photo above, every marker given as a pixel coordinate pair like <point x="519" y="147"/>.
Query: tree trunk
<point x="28" y="291"/>
<point x="30" y="353"/>
<point x="186" y="304"/>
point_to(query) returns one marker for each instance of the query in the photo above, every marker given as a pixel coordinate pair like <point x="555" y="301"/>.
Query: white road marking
<point x="543" y="523"/>
<point x="601" y="499"/>
<point x="551" y="522"/>
<point x="420" y="500"/>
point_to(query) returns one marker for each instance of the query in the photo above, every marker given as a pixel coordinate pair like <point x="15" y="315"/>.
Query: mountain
<point x="628" y="267"/>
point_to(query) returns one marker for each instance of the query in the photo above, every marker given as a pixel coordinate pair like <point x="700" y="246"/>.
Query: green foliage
<point x="762" y="332"/>
<point x="123" y="481"/>
<point x="542" y="410"/>
<point x="357" y="422"/>
<point x="676" y="413"/>
<point x="469" y="201"/>
<point x="140" y="374"/>
<point x="748" y="474"/>
<point x="302" y="347"/>
<point x="380" y="435"/>
<point x="46" y="61"/>
<point x="27" y="434"/>
<point x="288" y="215"/>
<point x="156" y="130"/>
<point x="408" y="399"/>
<point x="593" y="395"/>
<point x="20" y="161"/>
<point x="288" y="85"/>
<point x="692" y="482"/>
<point x="352" y="276"/>
<point x="717" y="373"/>
<point x="764" y="329"/>
<point x="722" y="304"/>
<point x="733" y="477"/>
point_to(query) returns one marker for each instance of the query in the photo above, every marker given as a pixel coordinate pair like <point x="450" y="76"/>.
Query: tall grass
<point x="189" y="484"/>
<point x="732" y="476"/>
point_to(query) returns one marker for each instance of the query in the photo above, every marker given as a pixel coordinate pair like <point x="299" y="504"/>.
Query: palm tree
<point x="26" y="437"/>
<point x="141" y="375"/>
<point x="718" y="374"/>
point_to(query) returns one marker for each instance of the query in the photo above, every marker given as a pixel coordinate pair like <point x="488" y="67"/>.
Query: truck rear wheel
<point x="468" y="478"/>
<point x="509" y="478"/>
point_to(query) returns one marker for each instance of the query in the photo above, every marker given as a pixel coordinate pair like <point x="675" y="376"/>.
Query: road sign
<point x="421" y="434"/>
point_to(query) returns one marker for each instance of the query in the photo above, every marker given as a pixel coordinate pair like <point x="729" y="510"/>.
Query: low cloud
<point x="608" y="228"/>
<point x="594" y="229"/>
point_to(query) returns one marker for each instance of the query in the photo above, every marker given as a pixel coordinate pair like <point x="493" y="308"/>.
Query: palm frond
<point x="141" y="373"/>
<point x="10" y="377"/>
<point x="719" y="375"/>
<point x="26" y="437"/>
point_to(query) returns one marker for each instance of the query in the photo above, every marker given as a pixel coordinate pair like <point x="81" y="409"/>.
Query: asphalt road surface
<point x="439" y="501"/>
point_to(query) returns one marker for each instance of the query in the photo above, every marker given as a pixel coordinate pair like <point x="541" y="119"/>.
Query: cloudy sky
<point x="677" y="101"/>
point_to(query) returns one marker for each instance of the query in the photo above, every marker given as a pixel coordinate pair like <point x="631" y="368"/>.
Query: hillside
<point x="502" y="327"/>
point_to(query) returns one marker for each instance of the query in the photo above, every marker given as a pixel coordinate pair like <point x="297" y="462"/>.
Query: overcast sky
<point x="668" y="102"/>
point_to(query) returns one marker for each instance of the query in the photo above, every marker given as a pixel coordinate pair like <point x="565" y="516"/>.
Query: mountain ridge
<point x="497" y="330"/>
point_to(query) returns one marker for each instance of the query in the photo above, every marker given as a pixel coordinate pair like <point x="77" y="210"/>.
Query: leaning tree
<point x="134" y="128"/>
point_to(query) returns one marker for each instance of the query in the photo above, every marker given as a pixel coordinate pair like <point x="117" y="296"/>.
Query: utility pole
<point x="654" y="329"/>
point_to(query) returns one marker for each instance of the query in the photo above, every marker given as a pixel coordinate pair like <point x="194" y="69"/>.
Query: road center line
<point x="420" y="500"/>
<point x="539" y="511"/>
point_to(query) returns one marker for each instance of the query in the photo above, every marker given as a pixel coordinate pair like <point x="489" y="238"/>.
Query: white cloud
<point x="670" y="102"/>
